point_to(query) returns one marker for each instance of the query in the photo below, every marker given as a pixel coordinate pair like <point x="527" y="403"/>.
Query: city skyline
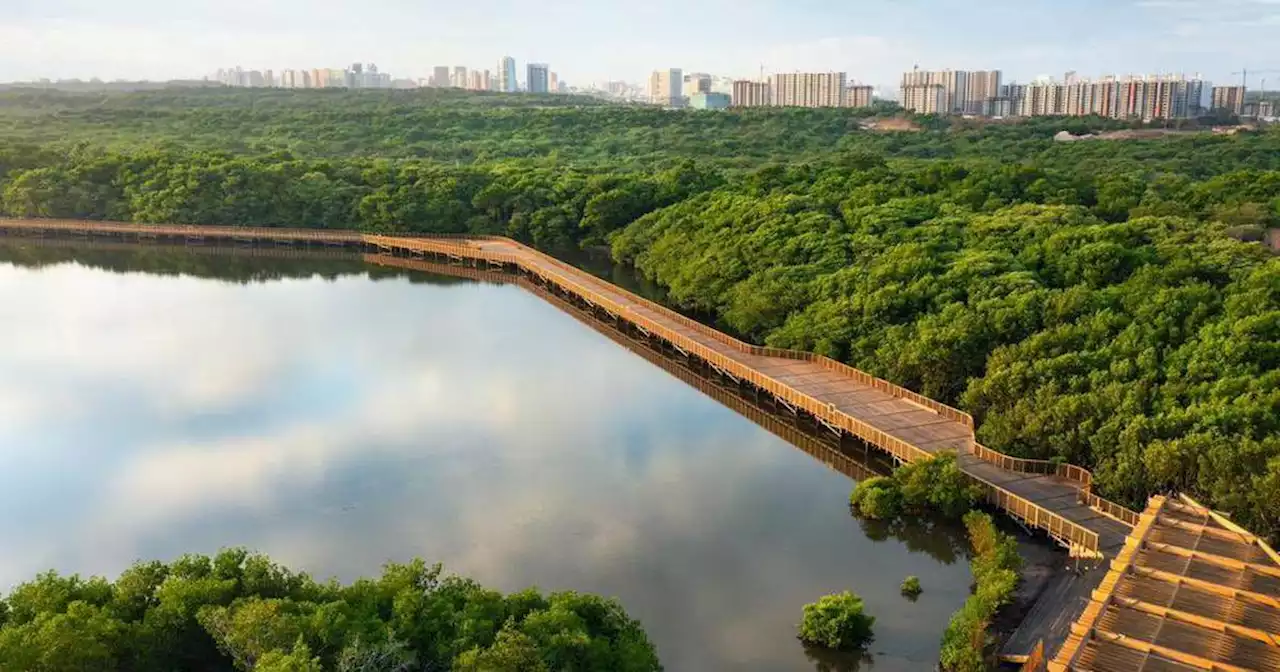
<point x="874" y="41"/>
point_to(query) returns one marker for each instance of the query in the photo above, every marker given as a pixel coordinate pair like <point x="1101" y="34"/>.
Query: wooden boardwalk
<point x="1054" y="498"/>
<point x="1189" y="591"/>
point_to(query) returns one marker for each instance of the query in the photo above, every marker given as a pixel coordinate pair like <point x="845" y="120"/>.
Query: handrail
<point x="466" y="245"/>
<point x="1108" y="508"/>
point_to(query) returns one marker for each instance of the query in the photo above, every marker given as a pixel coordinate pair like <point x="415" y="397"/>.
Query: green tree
<point x="836" y="622"/>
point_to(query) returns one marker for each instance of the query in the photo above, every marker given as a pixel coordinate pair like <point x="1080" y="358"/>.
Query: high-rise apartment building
<point x="921" y="87"/>
<point x="858" y="96"/>
<point x="459" y="77"/>
<point x="1151" y="97"/>
<point x="809" y="89"/>
<point x="553" y="83"/>
<point x="747" y="93"/>
<point x="507" y="80"/>
<point x="981" y="87"/>
<point x="925" y="98"/>
<point x="538" y="78"/>
<point x="666" y="87"/>
<point x="440" y="76"/>
<point x="963" y="92"/>
<point x="1229" y="99"/>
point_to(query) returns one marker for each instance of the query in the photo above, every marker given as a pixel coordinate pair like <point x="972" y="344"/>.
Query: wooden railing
<point x="1072" y="534"/>
<point x="1068" y="472"/>
<point x="1122" y="513"/>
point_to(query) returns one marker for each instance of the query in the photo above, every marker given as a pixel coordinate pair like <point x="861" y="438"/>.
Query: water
<point x="337" y="415"/>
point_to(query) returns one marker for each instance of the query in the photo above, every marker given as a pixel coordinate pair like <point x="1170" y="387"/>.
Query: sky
<point x="594" y="41"/>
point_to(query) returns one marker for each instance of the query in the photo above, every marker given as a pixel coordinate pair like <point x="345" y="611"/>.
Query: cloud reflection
<point x="337" y="425"/>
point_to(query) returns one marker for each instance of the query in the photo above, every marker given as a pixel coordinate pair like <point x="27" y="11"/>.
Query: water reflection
<point x="336" y="422"/>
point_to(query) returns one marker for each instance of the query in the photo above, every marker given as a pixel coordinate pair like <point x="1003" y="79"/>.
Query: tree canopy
<point x="240" y="611"/>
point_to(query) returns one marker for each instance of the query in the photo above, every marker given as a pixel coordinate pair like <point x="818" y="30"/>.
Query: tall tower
<point x="507" y="74"/>
<point x="539" y="78"/>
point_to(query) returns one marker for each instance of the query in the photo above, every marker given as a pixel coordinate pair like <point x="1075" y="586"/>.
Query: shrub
<point x="995" y="571"/>
<point x="965" y="640"/>
<point x="836" y="622"/>
<point x="876" y="498"/>
<point x="935" y="485"/>
<point x="911" y="587"/>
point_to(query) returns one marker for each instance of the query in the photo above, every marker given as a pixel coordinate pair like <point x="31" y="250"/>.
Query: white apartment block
<point x="926" y="98"/>
<point x="1147" y="98"/>
<point x="809" y="89"/>
<point x="963" y="92"/>
<point x="747" y="93"/>
<point x="858" y="96"/>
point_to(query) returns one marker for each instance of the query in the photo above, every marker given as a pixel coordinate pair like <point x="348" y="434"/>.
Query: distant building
<point x="1229" y="99"/>
<point x="1000" y="107"/>
<point x="709" y="101"/>
<point x="963" y="92"/>
<point x="539" y="78"/>
<point x="1147" y="98"/>
<point x="747" y="93"/>
<point x="459" y="77"/>
<point x="666" y="88"/>
<point x="440" y="76"/>
<point x="268" y="79"/>
<point x="981" y="88"/>
<point x="858" y="96"/>
<point x="697" y="82"/>
<point x="507" y="75"/>
<point x="809" y="89"/>
<point x="553" y="83"/>
<point x="925" y="98"/>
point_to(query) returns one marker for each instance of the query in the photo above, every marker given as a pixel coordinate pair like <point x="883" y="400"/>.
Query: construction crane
<point x="1244" y="75"/>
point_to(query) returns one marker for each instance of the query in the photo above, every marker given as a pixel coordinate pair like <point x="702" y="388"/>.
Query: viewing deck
<point x="1047" y="496"/>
